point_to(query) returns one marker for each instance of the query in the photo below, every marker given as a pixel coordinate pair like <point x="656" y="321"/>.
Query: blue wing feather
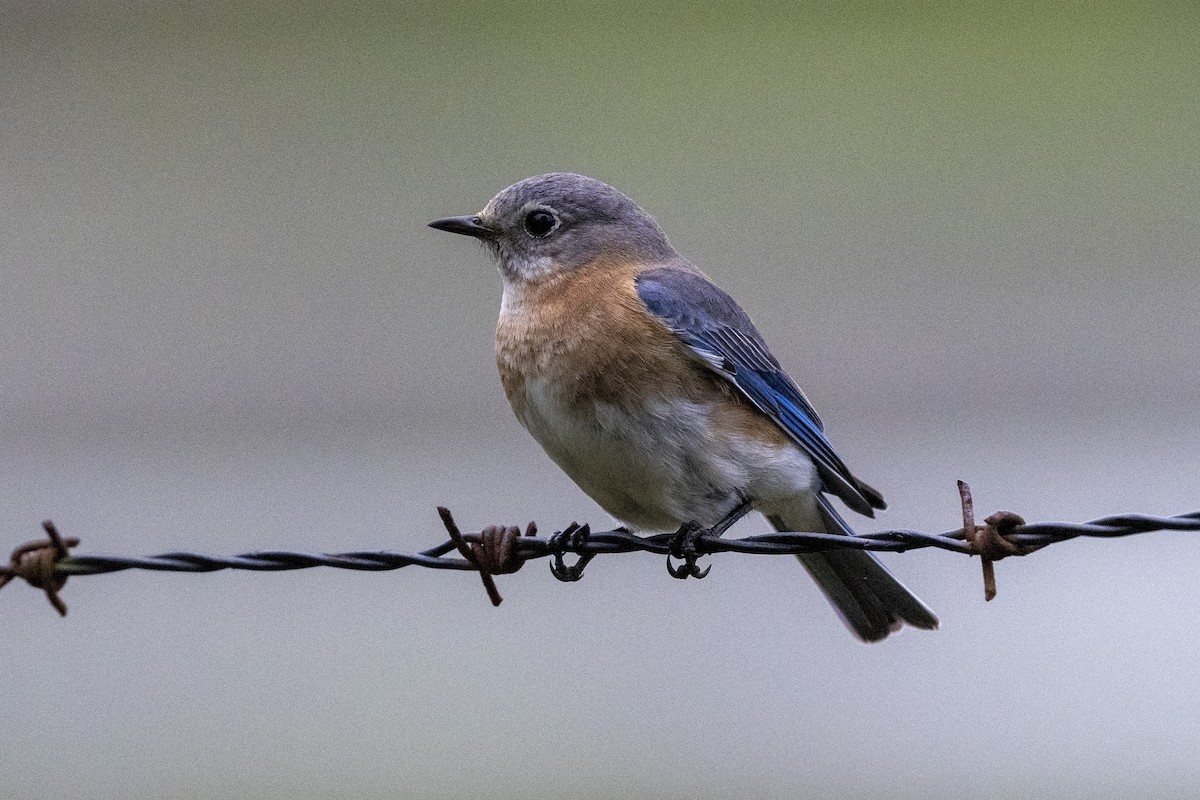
<point x="716" y="328"/>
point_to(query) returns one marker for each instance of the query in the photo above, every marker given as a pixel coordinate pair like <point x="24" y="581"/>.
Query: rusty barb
<point x="36" y="561"/>
<point x="501" y="549"/>
<point x="991" y="541"/>
<point x="492" y="550"/>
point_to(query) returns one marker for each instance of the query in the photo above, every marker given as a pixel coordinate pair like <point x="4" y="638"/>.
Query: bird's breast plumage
<point x="624" y="408"/>
<point x="587" y="333"/>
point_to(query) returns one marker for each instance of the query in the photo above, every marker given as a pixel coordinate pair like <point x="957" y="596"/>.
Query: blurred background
<point x="970" y="230"/>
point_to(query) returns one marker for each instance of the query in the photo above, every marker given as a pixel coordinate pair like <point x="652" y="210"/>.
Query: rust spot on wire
<point x="990" y="541"/>
<point x="492" y="551"/>
<point x="35" y="562"/>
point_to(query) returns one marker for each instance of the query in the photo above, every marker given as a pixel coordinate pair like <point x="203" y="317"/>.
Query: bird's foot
<point x="683" y="546"/>
<point x="573" y="537"/>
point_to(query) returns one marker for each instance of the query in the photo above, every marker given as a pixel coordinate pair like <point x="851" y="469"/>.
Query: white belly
<point x="665" y="463"/>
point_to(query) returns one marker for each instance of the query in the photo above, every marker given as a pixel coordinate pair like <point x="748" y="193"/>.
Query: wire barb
<point x="36" y="562"/>
<point x="991" y="541"/>
<point x="492" y="551"/>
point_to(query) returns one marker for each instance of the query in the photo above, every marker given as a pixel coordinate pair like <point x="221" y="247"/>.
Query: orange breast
<point x="587" y="334"/>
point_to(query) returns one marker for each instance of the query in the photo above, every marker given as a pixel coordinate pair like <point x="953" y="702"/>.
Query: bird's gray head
<point x="559" y="221"/>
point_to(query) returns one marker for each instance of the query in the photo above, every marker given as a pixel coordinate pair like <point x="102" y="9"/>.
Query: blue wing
<point x="717" y="330"/>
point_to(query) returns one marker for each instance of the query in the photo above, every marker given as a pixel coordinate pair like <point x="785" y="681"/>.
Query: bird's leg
<point x="683" y="544"/>
<point x="743" y="508"/>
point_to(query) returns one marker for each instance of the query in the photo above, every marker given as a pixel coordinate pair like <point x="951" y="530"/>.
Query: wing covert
<point x="720" y="333"/>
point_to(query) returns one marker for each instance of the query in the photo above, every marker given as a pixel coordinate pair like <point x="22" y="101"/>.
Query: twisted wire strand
<point x="262" y="561"/>
<point x="1030" y="536"/>
<point x="46" y="564"/>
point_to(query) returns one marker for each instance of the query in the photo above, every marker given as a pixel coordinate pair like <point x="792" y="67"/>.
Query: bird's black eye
<point x="539" y="223"/>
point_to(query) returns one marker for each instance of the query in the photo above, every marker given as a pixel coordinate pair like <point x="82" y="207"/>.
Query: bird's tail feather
<point x="869" y="600"/>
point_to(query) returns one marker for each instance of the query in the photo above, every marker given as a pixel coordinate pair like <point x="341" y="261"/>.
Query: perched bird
<point x="652" y="389"/>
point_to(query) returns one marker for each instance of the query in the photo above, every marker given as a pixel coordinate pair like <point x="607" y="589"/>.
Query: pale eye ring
<point x="539" y="223"/>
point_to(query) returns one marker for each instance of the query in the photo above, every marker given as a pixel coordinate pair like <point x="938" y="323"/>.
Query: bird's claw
<point x="683" y="545"/>
<point x="573" y="536"/>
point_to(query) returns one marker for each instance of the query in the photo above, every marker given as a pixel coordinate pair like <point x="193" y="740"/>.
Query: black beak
<point x="468" y="226"/>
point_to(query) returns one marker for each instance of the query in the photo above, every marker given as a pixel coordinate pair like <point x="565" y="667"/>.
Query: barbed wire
<point x="46" y="564"/>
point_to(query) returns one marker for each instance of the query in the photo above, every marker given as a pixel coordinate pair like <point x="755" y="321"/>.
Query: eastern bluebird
<point x="651" y="388"/>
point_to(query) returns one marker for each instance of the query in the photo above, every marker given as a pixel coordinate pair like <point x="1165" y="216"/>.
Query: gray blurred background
<point x="970" y="231"/>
